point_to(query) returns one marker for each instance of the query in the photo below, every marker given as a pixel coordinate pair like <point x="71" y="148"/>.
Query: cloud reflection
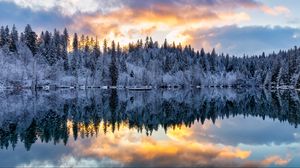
<point x="178" y="148"/>
<point x="71" y="161"/>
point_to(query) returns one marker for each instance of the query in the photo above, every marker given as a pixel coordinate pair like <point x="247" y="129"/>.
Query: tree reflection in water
<point x="52" y="116"/>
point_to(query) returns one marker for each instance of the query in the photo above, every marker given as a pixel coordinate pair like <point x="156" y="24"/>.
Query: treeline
<point x="53" y="59"/>
<point x="63" y="114"/>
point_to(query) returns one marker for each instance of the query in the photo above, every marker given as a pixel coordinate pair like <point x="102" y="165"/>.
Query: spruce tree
<point x="2" y="36"/>
<point x="30" y="39"/>
<point x="113" y="69"/>
<point x="104" y="46"/>
<point x="74" y="61"/>
<point x="13" y="39"/>
<point x="65" y="42"/>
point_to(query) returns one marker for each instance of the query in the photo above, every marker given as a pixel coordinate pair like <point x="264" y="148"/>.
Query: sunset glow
<point x="128" y="147"/>
<point x="178" y="21"/>
<point x="149" y="83"/>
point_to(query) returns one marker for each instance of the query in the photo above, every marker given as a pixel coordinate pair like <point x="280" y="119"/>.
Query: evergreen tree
<point x="94" y="60"/>
<point x="2" y="36"/>
<point x="74" y="60"/>
<point x="14" y="33"/>
<point x="13" y="39"/>
<point x="104" y="46"/>
<point x="52" y="53"/>
<point x="96" y="49"/>
<point x="65" y="42"/>
<point x="22" y="38"/>
<point x="118" y="49"/>
<point x="165" y="45"/>
<point x="113" y="69"/>
<point x="57" y="46"/>
<point x="30" y="39"/>
<point x="203" y="60"/>
<point x="6" y="35"/>
<point x="212" y="61"/>
<point x="46" y="46"/>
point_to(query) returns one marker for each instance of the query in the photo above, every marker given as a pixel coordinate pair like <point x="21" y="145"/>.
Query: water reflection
<point x="156" y="128"/>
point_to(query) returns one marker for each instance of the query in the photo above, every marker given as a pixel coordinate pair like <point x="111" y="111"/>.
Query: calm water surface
<point x="208" y="127"/>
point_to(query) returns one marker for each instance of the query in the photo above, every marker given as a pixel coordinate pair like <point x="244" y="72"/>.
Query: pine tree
<point x="6" y="35"/>
<point x="212" y="61"/>
<point x="13" y="39"/>
<point x="82" y="42"/>
<point x="95" y="56"/>
<point x="14" y="33"/>
<point x="65" y="42"/>
<point x="167" y="64"/>
<point x="40" y="42"/>
<point x="52" y="55"/>
<point x="57" y="46"/>
<point x="74" y="60"/>
<point x="151" y="44"/>
<point x="292" y="64"/>
<point x="46" y="46"/>
<point x="275" y="72"/>
<point x="30" y="39"/>
<point x="96" y="49"/>
<point x="2" y="36"/>
<point x="22" y="37"/>
<point x="118" y="49"/>
<point x="113" y="69"/>
<point x="146" y="43"/>
<point x="165" y="45"/>
<point x="203" y="60"/>
<point x="104" y="46"/>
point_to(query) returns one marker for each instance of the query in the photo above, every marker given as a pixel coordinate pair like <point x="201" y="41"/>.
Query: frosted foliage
<point x="44" y="61"/>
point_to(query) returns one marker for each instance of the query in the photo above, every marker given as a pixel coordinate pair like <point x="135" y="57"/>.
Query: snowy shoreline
<point x="143" y="88"/>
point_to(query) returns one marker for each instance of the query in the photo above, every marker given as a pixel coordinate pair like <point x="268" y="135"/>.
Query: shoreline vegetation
<point x="52" y="61"/>
<point x="143" y="88"/>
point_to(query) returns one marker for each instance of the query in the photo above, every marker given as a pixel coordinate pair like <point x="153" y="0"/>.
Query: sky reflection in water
<point x="158" y="128"/>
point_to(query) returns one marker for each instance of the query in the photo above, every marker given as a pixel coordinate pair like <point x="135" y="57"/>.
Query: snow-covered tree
<point x="30" y="39"/>
<point x="13" y="39"/>
<point x="113" y="69"/>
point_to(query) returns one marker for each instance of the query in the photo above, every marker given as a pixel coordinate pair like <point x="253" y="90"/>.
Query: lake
<point x="110" y="128"/>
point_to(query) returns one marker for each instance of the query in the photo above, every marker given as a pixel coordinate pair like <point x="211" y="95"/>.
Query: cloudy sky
<point x="232" y="26"/>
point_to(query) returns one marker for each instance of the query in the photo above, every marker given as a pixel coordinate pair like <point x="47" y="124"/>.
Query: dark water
<point x="208" y="127"/>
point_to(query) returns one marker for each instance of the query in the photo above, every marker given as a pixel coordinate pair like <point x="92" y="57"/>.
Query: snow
<point x="139" y="88"/>
<point x="51" y="66"/>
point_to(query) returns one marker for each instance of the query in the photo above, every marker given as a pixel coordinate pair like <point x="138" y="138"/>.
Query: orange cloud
<point x="277" y="160"/>
<point x="174" y="21"/>
<point x="165" y="21"/>
<point x="277" y="10"/>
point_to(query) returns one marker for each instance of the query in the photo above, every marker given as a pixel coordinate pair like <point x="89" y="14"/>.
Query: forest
<point x="59" y="60"/>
